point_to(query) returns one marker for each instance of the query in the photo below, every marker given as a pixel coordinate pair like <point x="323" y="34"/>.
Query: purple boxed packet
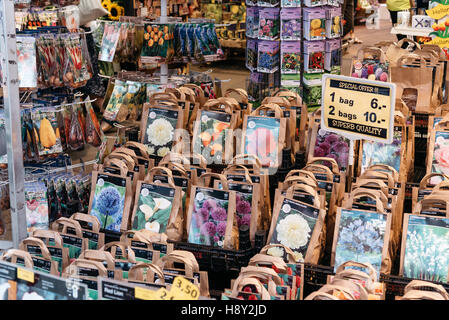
<point x="291" y="24"/>
<point x="268" y="56"/>
<point x="314" y="23"/>
<point x="252" y="22"/>
<point x="334" y="26"/>
<point x="290" y="57"/>
<point x="332" y="61"/>
<point x="269" y="23"/>
<point x="314" y="56"/>
<point x="251" y="54"/>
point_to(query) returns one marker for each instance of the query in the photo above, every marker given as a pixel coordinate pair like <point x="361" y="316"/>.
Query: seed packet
<point x="251" y="54"/>
<point x="3" y="150"/>
<point x="26" y="62"/>
<point x="36" y="205"/>
<point x="115" y="110"/>
<point x="314" y="56"/>
<point x="334" y="26"/>
<point x="46" y="131"/>
<point x="70" y="17"/>
<point x="306" y="220"/>
<point x="158" y="41"/>
<point x="290" y="3"/>
<point x="291" y="57"/>
<point x="312" y="89"/>
<point x="269" y="23"/>
<point x="109" y="41"/>
<point x="314" y="3"/>
<point x="424" y="253"/>
<point x="332" y="62"/>
<point x="110" y="200"/>
<point x="291" y="24"/>
<point x="76" y="72"/>
<point x="252" y="22"/>
<point x="437" y="155"/>
<point x="314" y="21"/>
<point x="361" y="236"/>
<point x="210" y="217"/>
<point x="268" y="56"/>
<point x="267" y="3"/>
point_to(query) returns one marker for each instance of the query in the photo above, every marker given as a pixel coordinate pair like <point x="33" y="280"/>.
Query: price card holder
<point x="145" y="294"/>
<point x="183" y="289"/>
<point x="163" y="294"/>
<point x="25" y="275"/>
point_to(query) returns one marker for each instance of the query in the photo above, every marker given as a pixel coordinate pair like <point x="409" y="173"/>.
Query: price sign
<point x="358" y="108"/>
<point x="144" y="294"/>
<point x="25" y="275"/>
<point x="163" y="294"/>
<point x="183" y="289"/>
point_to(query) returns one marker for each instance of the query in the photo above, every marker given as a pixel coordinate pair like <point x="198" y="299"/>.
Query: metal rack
<point x="13" y="128"/>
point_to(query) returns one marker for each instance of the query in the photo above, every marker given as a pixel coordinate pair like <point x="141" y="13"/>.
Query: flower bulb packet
<point x="110" y="200"/>
<point x="298" y="226"/>
<point x="158" y="128"/>
<point x="291" y="28"/>
<point x="109" y="41"/>
<point x="252" y="22"/>
<point x="424" y="250"/>
<point x="46" y="131"/>
<point x="437" y="155"/>
<point x="26" y="62"/>
<point x="290" y="3"/>
<point x="314" y="52"/>
<point x="36" y="209"/>
<point x="362" y="236"/>
<point x="115" y="109"/>
<point x="269" y="23"/>
<point x="251" y="54"/>
<point x="210" y="217"/>
<point x="334" y="26"/>
<point x="291" y="57"/>
<point x="314" y="23"/>
<point x="332" y="62"/>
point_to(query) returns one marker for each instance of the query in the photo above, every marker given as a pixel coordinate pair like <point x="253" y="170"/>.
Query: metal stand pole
<point x="13" y="127"/>
<point x="164" y="66"/>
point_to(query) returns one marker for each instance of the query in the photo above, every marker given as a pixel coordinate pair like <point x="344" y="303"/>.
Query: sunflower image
<point x="115" y="11"/>
<point x="106" y="4"/>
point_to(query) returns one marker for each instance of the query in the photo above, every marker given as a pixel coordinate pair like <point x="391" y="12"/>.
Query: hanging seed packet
<point x="312" y="89"/>
<point x="153" y="207"/>
<point x="46" y="131"/>
<point x="26" y="62"/>
<point x="269" y="23"/>
<point x="109" y="41"/>
<point x="115" y="109"/>
<point x="3" y="150"/>
<point x="314" y="21"/>
<point x="425" y="249"/>
<point x="290" y="3"/>
<point x="251" y="54"/>
<point x="297" y="225"/>
<point x="262" y="136"/>
<point x="267" y="3"/>
<point x="209" y="221"/>
<point x="291" y="57"/>
<point x="252" y="22"/>
<point x="268" y="56"/>
<point x="158" y="41"/>
<point x="314" y="56"/>
<point x="332" y="62"/>
<point x="360" y="236"/>
<point x="212" y="135"/>
<point x="36" y="205"/>
<point x="334" y="26"/>
<point x="291" y="24"/>
<point x="158" y="128"/>
<point x="438" y="155"/>
<point x="110" y="200"/>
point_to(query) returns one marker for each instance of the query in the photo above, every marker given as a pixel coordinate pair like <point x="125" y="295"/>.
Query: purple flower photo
<point x="331" y="145"/>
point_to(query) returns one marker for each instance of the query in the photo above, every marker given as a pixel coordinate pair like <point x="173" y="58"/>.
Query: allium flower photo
<point x="108" y="205"/>
<point x="261" y="139"/>
<point x="381" y="153"/>
<point x="360" y="237"/>
<point x="332" y="145"/>
<point x="209" y="218"/>
<point x="160" y="130"/>
<point x="294" y="226"/>
<point x="440" y="162"/>
<point x="427" y="249"/>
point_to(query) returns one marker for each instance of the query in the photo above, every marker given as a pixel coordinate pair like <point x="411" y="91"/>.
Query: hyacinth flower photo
<point x="109" y="203"/>
<point x="294" y="227"/>
<point x="360" y="237"/>
<point x="153" y="208"/>
<point x="261" y="139"/>
<point x="332" y="145"/>
<point x="440" y="160"/>
<point x="209" y="218"/>
<point x="427" y="248"/>
<point x="159" y="131"/>
<point x="382" y="153"/>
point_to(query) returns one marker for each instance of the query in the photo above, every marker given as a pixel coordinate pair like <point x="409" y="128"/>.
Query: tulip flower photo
<point x="261" y="139"/>
<point x="440" y="161"/>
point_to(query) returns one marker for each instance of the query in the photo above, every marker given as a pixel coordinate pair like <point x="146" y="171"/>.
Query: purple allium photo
<point x="208" y="229"/>
<point x="246" y="220"/>
<point x="331" y="139"/>
<point x="221" y="228"/>
<point x="108" y="201"/>
<point x="243" y="207"/>
<point x="209" y="204"/>
<point x="318" y="152"/>
<point x="325" y="146"/>
<point x="219" y="214"/>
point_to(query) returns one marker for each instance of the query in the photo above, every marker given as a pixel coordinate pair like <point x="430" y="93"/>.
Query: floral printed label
<point x="261" y="139"/>
<point x="332" y="145"/>
<point x="36" y="206"/>
<point x="244" y="198"/>
<point x="117" y="96"/>
<point x="211" y="139"/>
<point x="159" y="132"/>
<point x="153" y="208"/>
<point x="109" y="201"/>
<point x="26" y="58"/>
<point x="46" y="132"/>
<point x="294" y="227"/>
<point x="209" y="217"/>
<point x="360" y="237"/>
<point x="382" y="153"/>
<point x="109" y="41"/>
<point x="427" y="248"/>
<point x="440" y="161"/>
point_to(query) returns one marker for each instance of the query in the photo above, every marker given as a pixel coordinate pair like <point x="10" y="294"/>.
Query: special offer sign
<point x="358" y="108"/>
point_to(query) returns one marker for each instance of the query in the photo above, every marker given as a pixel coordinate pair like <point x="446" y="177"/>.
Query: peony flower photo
<point x="440" y="163"/>
<point x="294" y="226"/>
<point x="332" y="145"/>
<point x="209" y="218"/>
<point x="261" y="139"/>
<point x="160" y="130"/>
